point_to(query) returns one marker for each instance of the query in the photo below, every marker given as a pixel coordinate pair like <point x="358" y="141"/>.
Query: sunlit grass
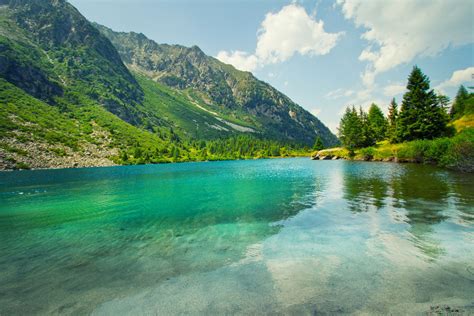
<point x="456" y="152"/>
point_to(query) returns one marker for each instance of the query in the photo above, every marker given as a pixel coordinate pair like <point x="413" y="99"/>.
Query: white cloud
<point x="282" y="35"/>
<point x="339" y="93"/>
<point x="240" y="60"/>
<point x="334" y="94"/>
<point x="290" y="31"/>
<point x="394" y="89"/>
<point x="399" y="31"/>
<point x="315" y="111"/>
<point x="349" y="93"/>
<point x="458" y="77"/>
<point x="364" y="98"/>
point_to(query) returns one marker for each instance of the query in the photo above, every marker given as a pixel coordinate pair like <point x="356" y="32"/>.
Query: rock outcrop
<point x="327" y="154"/>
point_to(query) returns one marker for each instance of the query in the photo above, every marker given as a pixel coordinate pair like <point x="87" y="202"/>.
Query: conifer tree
<point x="318" y="144"/>
<point x="443" y="100"/>
<point x="457" y="110"/>
<point x="421" y="116"/>
<point x="377" y="122"/>
<point x="368" y="134"/>
<point x="392" y="121"/>
<point x="351" y="129"/>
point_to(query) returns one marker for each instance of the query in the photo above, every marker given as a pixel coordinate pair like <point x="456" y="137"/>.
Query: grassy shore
<point x="454" y="153"/>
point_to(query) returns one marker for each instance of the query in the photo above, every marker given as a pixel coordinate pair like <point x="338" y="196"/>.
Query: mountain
<point x="219" y="88"/>
<point x="70" y="98"/>
<point x="48" y="45"/>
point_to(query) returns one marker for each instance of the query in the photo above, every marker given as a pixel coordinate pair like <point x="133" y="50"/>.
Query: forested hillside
<point x="68" y="99"/>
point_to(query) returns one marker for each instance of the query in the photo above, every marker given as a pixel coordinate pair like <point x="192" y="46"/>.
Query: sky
<point x="324" y="55"/>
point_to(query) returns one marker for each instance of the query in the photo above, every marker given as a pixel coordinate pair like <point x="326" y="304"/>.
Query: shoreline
<point x="442" y="154"/>
<point x="147" y="164"/>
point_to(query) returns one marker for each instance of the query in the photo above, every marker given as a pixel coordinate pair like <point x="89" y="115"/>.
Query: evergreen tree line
<point x="463" y="103"/>
<point x="359" y="129"/>
<point x="238" y="147"/>
<point x="422" y="115"/>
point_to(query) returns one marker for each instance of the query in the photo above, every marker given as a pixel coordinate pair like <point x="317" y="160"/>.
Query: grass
<point x="176" y="111"/>
<point x="454" y="153"/>
<point x="467" y="121"/>
<point x="26" y="119"/>
<point x="81" y="93"/>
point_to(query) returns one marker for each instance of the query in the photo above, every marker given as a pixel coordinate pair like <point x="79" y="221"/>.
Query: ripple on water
<point x="289" y="236"/>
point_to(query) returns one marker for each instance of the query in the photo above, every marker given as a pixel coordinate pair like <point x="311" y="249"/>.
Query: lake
<point x="278" y="236"/>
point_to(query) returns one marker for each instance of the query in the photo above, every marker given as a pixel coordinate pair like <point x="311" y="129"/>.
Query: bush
<point x="437" y="149"/>
<point x="367" y="153"/>
<point x="22" y="165"/>
<point x="460" y="152"/>
<point x="454" y="153"/>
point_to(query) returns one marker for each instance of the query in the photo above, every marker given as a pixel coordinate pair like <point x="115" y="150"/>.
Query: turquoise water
<point x="280" y="236"/>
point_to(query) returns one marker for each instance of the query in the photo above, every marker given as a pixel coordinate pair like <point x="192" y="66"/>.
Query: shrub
<point x="460" y="153"/>
<point x="367" y="153"/>
<point x="437" y="149"/>
<point x="454" y="153"/>
<point x="22" y="165"/>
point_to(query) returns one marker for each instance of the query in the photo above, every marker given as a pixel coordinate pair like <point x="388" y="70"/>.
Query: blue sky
<point x="324" y="55"/>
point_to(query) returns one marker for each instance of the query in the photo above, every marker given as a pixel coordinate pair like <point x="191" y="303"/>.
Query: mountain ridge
<point x="71" y="99"/>
<point x="222" y="87"/>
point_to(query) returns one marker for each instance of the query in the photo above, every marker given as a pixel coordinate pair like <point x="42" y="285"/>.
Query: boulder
<point x="368" y="157"/>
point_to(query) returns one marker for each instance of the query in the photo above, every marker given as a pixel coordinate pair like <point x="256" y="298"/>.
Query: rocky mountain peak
<point x="224" y="88"/>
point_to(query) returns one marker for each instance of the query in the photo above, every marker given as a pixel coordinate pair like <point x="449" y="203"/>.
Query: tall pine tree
<point x="377" y="122"/>
<point x="368" y="135"/>
<point x="421" y="116"/>
<point x="392" y="121"/>
<point x="457" y="110"/>
<point x="351" y="129"/>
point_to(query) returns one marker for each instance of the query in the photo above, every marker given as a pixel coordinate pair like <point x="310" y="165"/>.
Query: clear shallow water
<point x="280" y="236"/>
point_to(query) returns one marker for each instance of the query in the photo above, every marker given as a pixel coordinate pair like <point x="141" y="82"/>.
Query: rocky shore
<point x="327" y="154"/>
<point x="33" y="155"/>
<point x="342" y="153"/>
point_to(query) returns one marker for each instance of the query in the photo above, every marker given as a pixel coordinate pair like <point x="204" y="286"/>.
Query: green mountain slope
<point x="67" y="99"/>
<point x="35" y="134"/>
<point x="220" y="88"/>
<point x="48" y="45"/>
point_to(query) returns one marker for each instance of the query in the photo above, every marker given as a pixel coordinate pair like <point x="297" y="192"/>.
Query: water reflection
<point x="462" y="198"/>
<point x="422" y="196"/>
<point x="286" y="236"/>
<point x="364" y="189"/>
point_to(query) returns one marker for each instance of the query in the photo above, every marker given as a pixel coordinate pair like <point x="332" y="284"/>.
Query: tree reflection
<point x="462" y="196"/>
<point x="364" y="189"/>
<point x="420" y="193"/>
